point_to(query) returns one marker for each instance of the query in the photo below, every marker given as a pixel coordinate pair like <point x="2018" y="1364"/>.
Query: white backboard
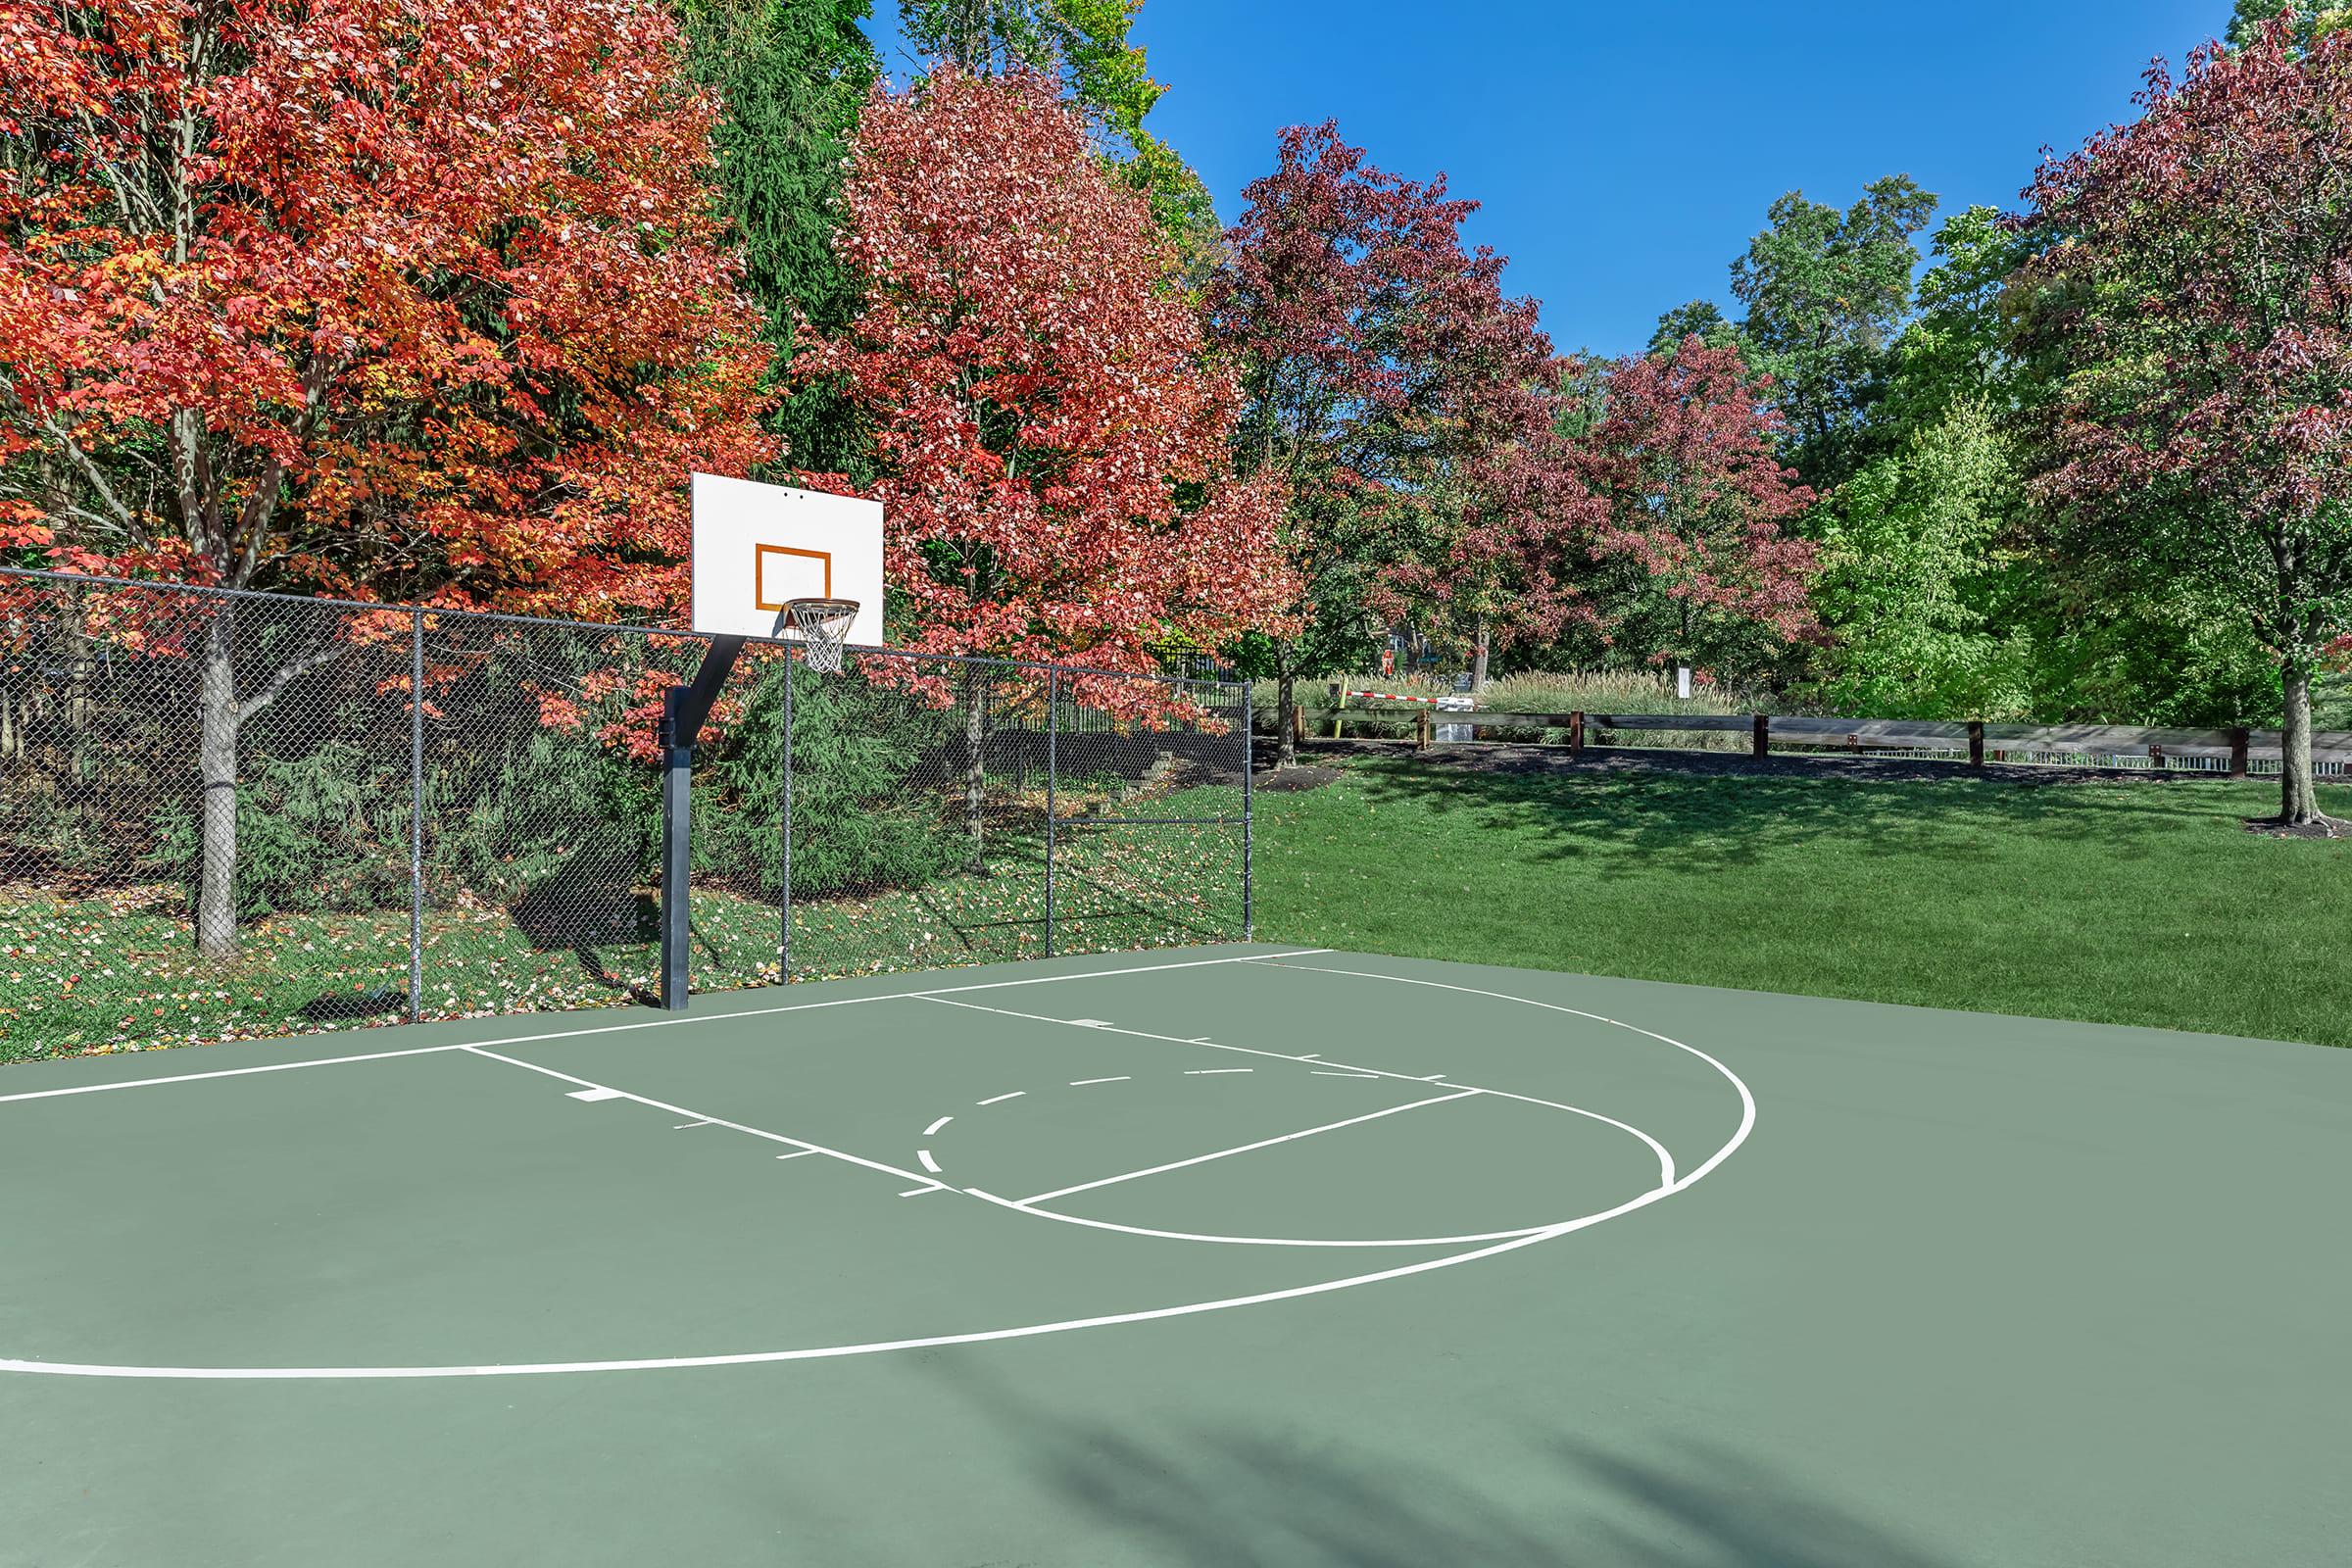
<point x="759" y="544"/>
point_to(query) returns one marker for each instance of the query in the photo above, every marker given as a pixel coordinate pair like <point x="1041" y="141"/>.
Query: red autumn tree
<point x="1681" y="456"/>
<point x="2194" y="286"/>
<point x="1397" y="394"/>
<point x="381" y="297"/>
<point x="1053" y="442"/>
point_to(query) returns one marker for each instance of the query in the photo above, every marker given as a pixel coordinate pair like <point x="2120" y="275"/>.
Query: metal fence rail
<point x="227" y="813"/>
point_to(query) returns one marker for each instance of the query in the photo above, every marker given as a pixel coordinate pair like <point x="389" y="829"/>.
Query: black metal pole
<point x="683" y="710"/>
<point x="677" y="807"/>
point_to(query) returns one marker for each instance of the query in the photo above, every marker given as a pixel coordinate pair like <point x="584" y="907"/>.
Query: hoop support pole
<point x="683" y="710"/>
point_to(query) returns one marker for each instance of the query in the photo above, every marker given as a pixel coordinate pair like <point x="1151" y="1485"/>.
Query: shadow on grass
<point x="1234" y="1499"/>
<point x="1637" y="817"/>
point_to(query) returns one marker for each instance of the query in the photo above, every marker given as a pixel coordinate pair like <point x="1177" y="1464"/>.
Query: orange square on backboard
<point x="769" y="599"/>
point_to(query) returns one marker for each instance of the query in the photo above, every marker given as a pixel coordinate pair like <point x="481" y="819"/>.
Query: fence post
<point x="1053" y="777"/>
<point x="1975" y="742"/>
<point x="1421" y="730"/>
<point x="1576" y="733"/>
<point x="1761" y="746"/>
<point x="784" y="892"/>
<point x="2241" y="746"/>
<point x="1249" y="843"/>
<point x="415" y="815"/>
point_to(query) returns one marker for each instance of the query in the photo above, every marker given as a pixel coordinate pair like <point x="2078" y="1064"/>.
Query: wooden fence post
<point x="1576" y="733"/>
<point x="1975" y="742"/>
<point x="1421" y="728"/>
<point x="2242" y="744"/>
<point x="1762" y="743"/>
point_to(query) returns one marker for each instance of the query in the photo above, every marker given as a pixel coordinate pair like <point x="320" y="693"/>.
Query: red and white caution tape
<point x="1451" y="703"/>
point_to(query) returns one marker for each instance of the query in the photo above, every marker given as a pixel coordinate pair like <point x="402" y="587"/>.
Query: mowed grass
<point x="114" y="973"/>
<point x="2115" y="902"/>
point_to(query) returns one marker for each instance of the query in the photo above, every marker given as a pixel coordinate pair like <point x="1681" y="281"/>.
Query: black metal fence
<point x="231" y="814"/>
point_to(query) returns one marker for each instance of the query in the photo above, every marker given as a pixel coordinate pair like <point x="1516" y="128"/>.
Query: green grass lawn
<point x="121" y="972"/>
<point x="2127" y="903"/>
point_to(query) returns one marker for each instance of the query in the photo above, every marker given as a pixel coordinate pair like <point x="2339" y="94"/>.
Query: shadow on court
<point x="1243" y="1499"/>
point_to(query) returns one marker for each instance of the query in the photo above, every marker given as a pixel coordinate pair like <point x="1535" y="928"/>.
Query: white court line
<point x="1248" y="1240"/>
<point x="929" y="1164"/>
<point x="1001" y="1099"/>
<point x="244" y="1374"/>
<point x="1081" y="1083"/>
<point x="1666" y="1168"/>
<point x="802" y="1143"/>
<point x="798" y="1153"/>
<point x="1242" y="1148"/>
<point x="593" y="1094"/>
<point x="229" y="1072"/>
<point x="1348" y="1075"/>
<point x="650" y="1023"/>
<point x="682" y="1126"/>
<point x="932" y="1131"/>
<point x="1210" y="1072"/>
<point x="928" y="1187"/>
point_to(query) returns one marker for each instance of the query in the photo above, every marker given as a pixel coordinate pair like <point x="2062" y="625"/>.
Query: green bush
<point x="858" y="821"/>
<point x="325" y="830"/>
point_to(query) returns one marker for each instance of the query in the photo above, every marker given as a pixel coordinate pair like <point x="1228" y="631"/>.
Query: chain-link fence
<point x="224" y="815"/>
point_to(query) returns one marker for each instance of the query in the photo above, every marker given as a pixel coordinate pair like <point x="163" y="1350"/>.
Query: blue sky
<point x="1624" y="153"/>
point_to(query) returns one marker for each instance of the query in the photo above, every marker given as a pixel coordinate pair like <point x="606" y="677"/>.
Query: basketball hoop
<point x="823" y="625"/>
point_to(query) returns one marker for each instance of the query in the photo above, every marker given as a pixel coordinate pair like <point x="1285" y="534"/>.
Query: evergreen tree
<point x="791" y="75"/>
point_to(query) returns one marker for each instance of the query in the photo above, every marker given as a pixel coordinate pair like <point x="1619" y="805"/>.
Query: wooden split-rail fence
<point x="1980" y="740"/>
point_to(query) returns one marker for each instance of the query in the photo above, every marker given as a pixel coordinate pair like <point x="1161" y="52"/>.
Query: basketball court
<point x="1221" y="1256"/>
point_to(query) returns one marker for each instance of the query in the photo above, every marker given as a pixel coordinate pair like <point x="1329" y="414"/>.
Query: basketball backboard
<point x="756" y="547"/>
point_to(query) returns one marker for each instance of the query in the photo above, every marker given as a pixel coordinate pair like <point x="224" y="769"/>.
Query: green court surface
<point x="1238" y="1256"/>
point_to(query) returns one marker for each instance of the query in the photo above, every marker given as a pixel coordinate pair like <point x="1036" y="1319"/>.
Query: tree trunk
<point x="218" y="723"/>
<point x="1478" y="660"/>
<point x="1286" y="709"/>
<point x="2298" y="801"/>
<point x="975" y="774"/>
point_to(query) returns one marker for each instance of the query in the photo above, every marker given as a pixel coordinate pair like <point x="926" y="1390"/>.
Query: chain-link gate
<point x="227" y="813"/>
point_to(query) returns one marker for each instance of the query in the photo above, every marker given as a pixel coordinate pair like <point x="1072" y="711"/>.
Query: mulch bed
<point x="2326" y="827"/>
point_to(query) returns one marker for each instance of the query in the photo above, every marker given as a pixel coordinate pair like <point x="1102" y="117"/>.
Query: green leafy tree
<point x="1961" y="345"/>
<point x="2194" y="273"/>
<point x="1085" y="45"/>
<point x="1704" y="321"/>
<point x="1915" y="584"/>
<point x="1826" y="293"/>
<point x="791" y="75"/>
<point x="2306" y="24"/>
